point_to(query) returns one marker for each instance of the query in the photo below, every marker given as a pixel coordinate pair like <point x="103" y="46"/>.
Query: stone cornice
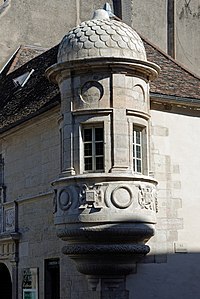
<point x="146" y="69"/>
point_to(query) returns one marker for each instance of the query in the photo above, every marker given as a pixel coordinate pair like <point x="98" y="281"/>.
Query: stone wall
<point x="32" y="161"/>
<point x="150" y="19"/>
<point x="40" y="22"/>
<point x="176" y="244"/>
<point x="31" y="156"/>
<point x="171" y="269"/>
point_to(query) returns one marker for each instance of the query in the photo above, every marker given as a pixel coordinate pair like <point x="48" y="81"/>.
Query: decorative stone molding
<point x="147" y="197"/>
<point x="8" y="217"/>
<point x="91" y="91"/>
<point x="9" y="237"/>
<point x="104" y="198"/>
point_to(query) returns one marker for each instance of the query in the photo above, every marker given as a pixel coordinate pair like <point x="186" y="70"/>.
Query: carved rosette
<point x="105" y="217"/>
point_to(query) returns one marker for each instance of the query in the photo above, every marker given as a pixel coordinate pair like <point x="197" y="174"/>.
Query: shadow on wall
<point x="177" y="278"/>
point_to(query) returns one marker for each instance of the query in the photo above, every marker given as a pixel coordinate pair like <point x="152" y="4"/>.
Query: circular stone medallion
<point x="91" y="91"/>
<point x="122" y="197"/>
<point x="64" y="200"/>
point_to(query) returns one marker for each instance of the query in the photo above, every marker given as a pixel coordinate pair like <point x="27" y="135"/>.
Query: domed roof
<point x="101" y="37"/>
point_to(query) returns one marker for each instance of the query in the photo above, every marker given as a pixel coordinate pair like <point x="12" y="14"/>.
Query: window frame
<point x="142" y="154"/>
<point x="93" y="155"/>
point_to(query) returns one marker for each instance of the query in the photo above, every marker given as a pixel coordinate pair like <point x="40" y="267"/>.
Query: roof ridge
<point x="36" y="47"/>
<point x="169" y="57"/>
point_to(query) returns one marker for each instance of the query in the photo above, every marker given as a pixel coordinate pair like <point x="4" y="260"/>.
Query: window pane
<point x="98" y="134"/>
<point x="139" y="168"/>
<point x="134" y="165"/>
<point x="99" y="148"/>
<point x="99" y="163"/>
<point x="138" y="137"/>
<point x="88" y="163"/>
<point x="87" y="134"/>
<point x="88" y="149"/>
<point x="138" y="151"/>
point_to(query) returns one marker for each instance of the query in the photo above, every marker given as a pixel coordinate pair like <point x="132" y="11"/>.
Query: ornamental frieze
<point x="101" y="199"/>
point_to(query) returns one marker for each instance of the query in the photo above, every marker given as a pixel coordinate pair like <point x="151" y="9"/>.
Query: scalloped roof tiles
<point x="101" y="37"/>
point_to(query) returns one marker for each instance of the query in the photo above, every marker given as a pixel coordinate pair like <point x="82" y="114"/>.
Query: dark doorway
<point x="6" y="284"/>
<point x="52" y="279"/>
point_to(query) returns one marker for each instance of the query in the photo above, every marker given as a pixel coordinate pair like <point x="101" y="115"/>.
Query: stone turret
<point x="105" y="200"/>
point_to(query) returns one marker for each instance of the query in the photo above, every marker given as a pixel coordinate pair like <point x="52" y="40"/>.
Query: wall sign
<point x="30" y="283"/>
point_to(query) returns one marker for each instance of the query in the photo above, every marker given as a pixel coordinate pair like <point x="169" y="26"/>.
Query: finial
<point x="100" y="14"/>
<point x="108" y="8"/>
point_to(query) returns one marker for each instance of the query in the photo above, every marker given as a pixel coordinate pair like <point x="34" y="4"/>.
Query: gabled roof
<point x="174" y="79"/>
<point x="38" y="95"/>
<point x="24" y="55"/>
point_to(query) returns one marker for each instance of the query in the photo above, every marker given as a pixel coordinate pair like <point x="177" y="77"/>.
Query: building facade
<point x="107" y="164"/>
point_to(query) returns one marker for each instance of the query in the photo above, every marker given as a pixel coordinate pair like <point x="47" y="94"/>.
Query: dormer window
<point x="22" y="80"/>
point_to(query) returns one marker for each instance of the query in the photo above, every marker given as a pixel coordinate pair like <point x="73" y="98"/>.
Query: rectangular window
<point x="93" y="148"/>
<point x="138" y="148"/>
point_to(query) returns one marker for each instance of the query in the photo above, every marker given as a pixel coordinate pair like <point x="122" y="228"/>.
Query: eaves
<point x="174" y="100"/>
